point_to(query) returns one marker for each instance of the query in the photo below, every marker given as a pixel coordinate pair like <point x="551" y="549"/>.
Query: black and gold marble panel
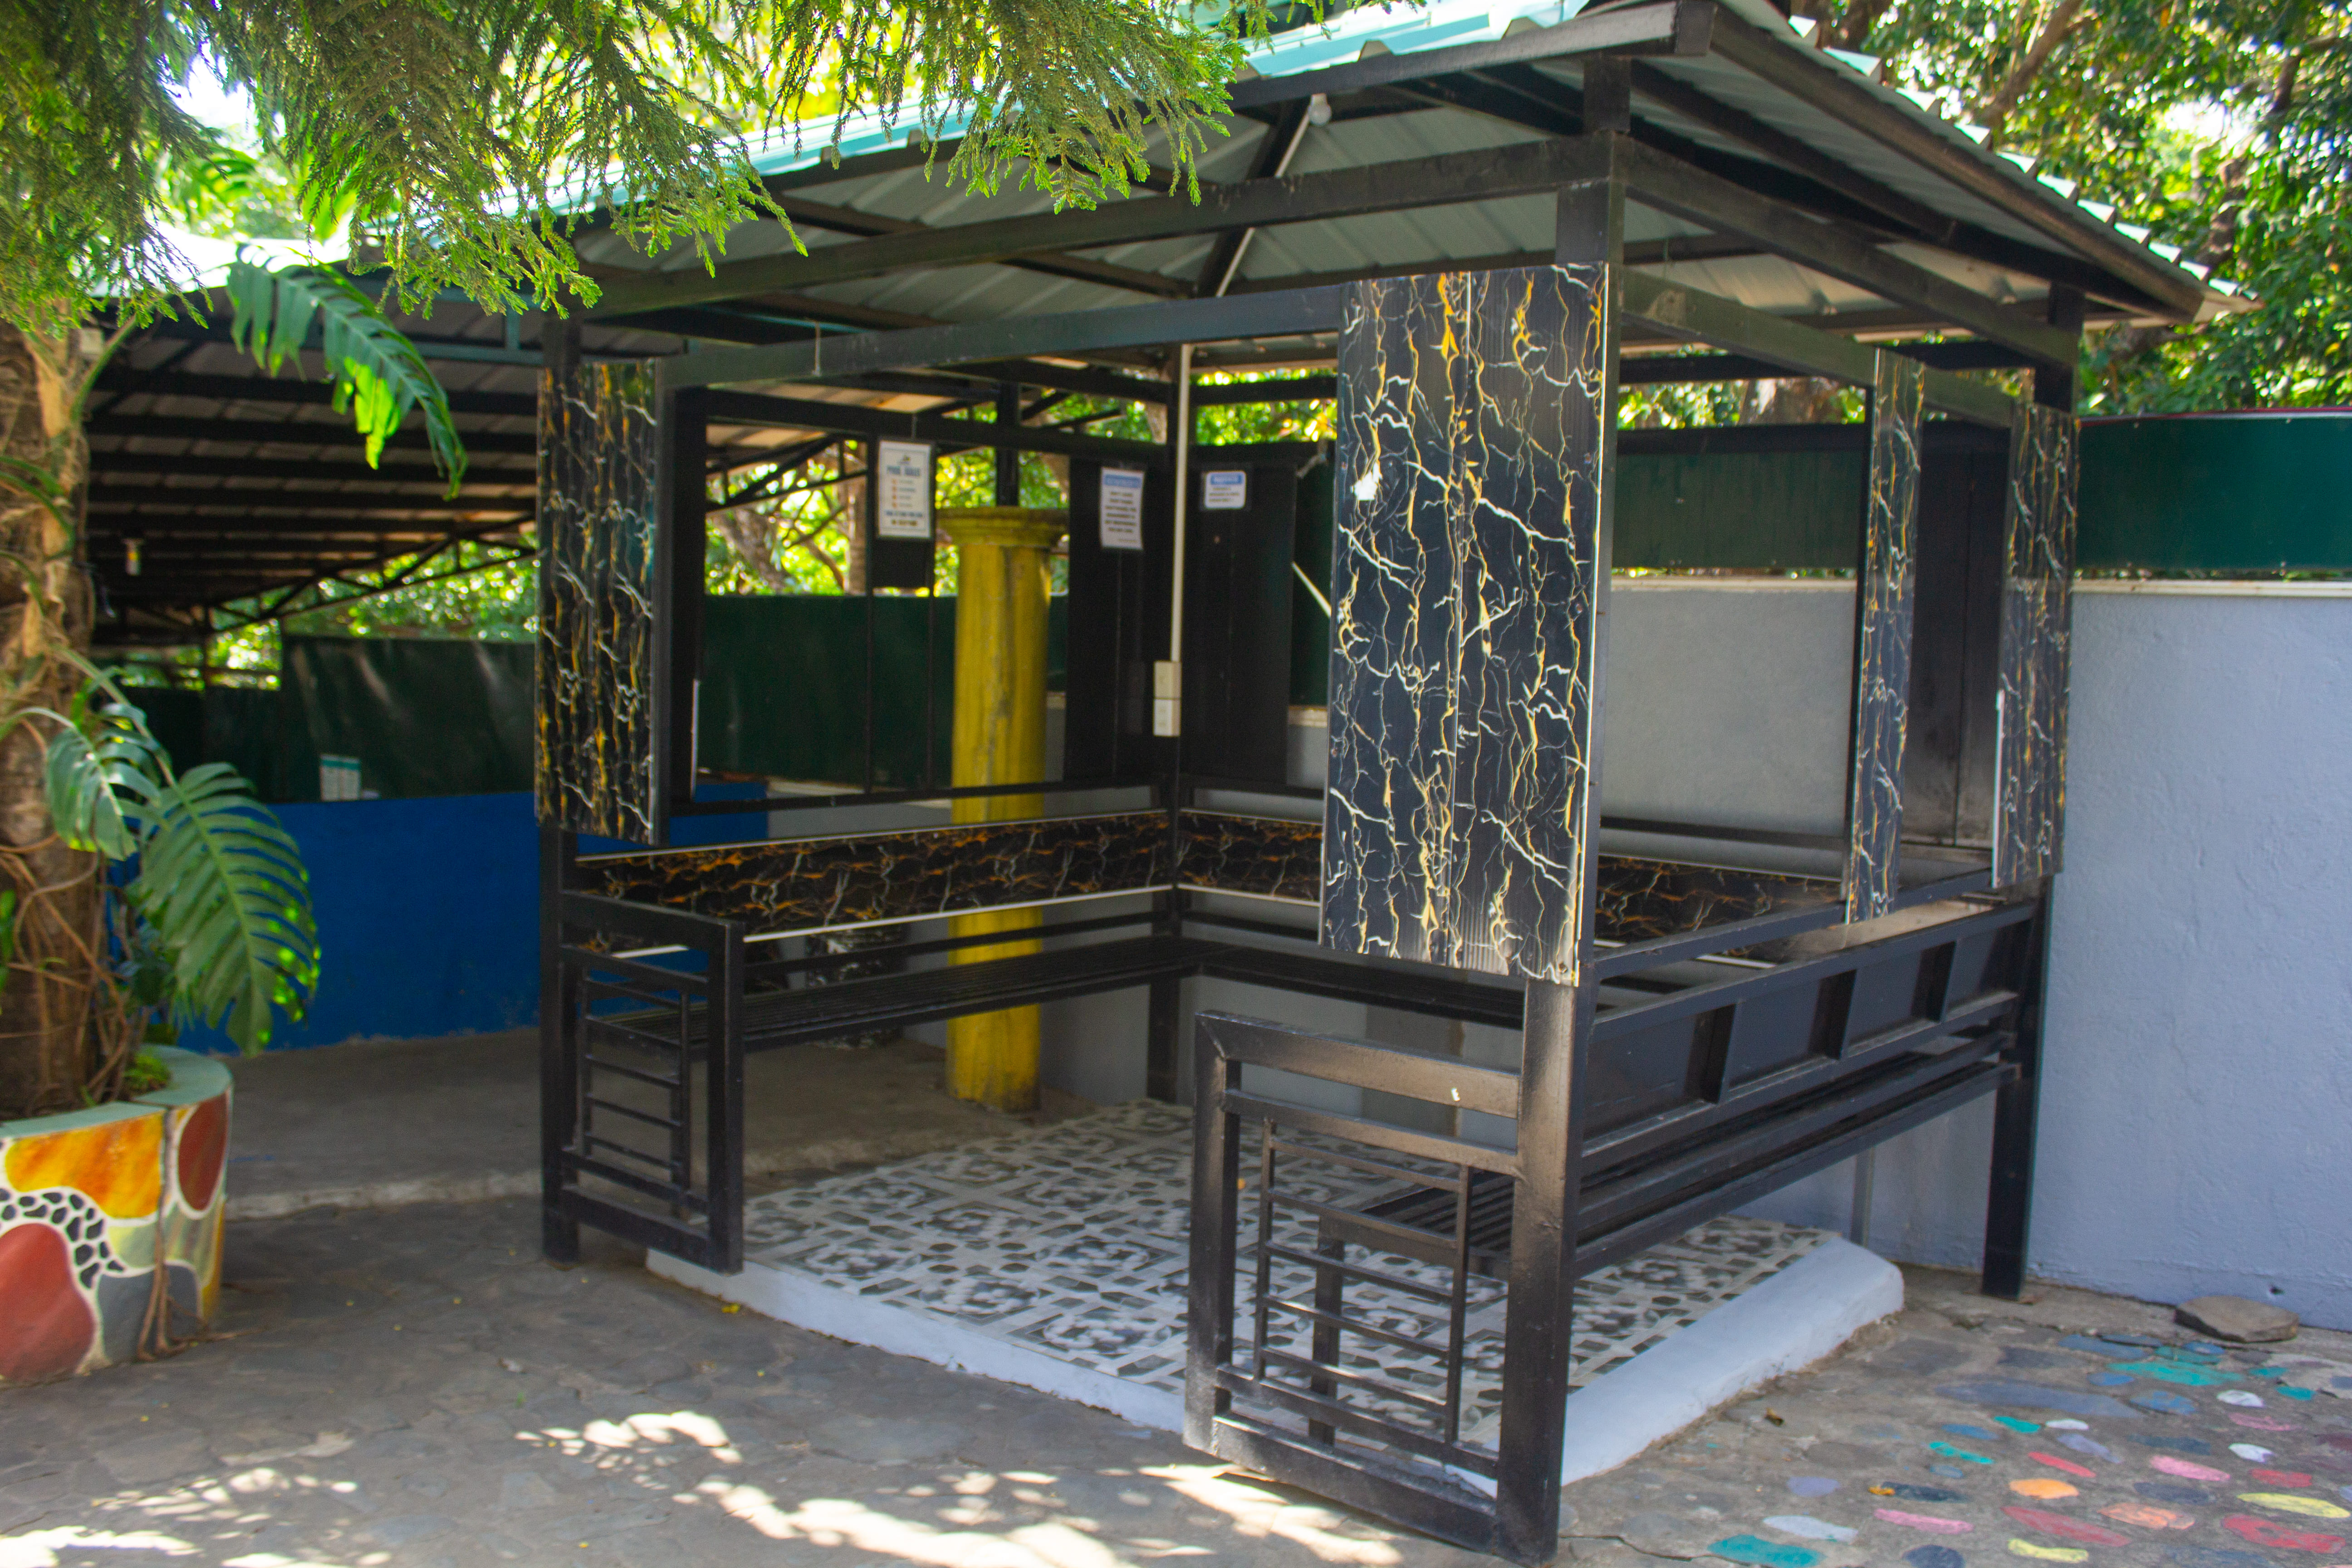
<point x="1638" y="897"/>
<point x="810" y="883"/>
<point x="1268" y="857"/>
<point x="2036" y="620"/>
<point x="1641" y="898"/>
<point x="1882" y="695"/>
<point x="1474" y="411"/>
<point x="596" y="729"/>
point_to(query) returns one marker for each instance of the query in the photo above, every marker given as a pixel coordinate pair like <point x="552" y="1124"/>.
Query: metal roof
<point x="237" y="486"/>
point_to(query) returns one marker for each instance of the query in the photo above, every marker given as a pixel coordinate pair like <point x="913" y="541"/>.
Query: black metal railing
<point x="638" y="1043"/>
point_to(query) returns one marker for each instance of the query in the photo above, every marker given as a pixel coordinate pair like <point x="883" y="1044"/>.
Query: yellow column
<point x="1000" y="738"/>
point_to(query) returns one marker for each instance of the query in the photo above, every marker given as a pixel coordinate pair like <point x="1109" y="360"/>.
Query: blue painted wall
<point x="429" y="919"/>
<point x="428" y="914"/>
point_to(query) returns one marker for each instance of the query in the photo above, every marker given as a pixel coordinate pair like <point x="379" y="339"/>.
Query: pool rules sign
<point x="903" y="489"/>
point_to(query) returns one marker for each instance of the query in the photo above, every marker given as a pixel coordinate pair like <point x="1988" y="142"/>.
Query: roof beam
<point x="244" y="498"/>
<point x="292" y="433"/>
<point x="1670" y="26"/>
<point x="1699" y="317"/>
<point x="107" y="464"/>
<point x="1671" y="185"/>
<point x="1839" y="94"/>
<point x="1078" y="269"/>
<point x="1447" y="180"/>
<point x="128" y="379"/>
<point x="142" y="525"/>
<point x="1296" y="313"/>
<point x="1916" y="217"/>
<point x="855" y="420"/>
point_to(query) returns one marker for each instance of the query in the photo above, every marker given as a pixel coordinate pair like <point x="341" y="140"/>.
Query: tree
<point x="459" y="141"/>
<point x="2225" y="126"/>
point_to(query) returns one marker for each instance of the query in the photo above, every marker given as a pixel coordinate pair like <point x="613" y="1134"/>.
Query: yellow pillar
<point x="1000" y="738"/>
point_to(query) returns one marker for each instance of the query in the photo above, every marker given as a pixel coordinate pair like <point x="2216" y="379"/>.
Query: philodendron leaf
<point x="222" y="884"/>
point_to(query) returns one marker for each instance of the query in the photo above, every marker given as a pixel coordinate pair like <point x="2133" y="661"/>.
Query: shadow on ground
<point x="415" y="1386"/>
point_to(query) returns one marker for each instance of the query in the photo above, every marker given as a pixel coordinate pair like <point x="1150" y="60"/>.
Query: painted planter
<point x="87" y="1200"/>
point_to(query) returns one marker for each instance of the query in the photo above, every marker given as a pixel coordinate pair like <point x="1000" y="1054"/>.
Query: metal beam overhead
<point x="1658" y="181"/>
<point x="116" y="497"/>
<point x="130" y="379"/>
<point x="1298" y="313"/>
<point x="292" y="433"/>
<point x="853" y="420"/>
<point x="1446" y="179"/>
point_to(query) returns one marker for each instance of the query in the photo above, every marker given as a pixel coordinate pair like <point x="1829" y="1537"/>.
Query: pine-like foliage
<point x="462" y="136"/>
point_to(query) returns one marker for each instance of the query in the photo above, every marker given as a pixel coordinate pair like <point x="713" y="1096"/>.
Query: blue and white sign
<point x="1224" y="489"/>
<point x="1122" y="508"/>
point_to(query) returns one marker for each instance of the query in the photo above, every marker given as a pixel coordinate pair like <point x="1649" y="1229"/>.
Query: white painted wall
<point x="2196" y="1131"/>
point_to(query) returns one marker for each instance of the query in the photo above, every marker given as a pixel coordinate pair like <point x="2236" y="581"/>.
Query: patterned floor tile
<point x="1072" y="1241"/>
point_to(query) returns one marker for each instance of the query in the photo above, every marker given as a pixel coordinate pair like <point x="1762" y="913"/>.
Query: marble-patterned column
<point x="596" y="727"/>
<point x="1882" y="648"/>
<point x="1472" y="411"/>
<point x="2036" y="630"/>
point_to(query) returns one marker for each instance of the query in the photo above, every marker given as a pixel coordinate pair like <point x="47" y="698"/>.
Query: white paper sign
<point x="1122" y="508"/>
<point x="904" y="490"/>
<point x="1224" y="489"/>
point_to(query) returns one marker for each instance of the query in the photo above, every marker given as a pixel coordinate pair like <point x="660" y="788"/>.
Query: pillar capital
<point x="1015" y="527"/>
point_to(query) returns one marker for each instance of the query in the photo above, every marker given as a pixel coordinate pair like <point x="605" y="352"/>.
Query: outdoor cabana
<point x="1472" y="228"/>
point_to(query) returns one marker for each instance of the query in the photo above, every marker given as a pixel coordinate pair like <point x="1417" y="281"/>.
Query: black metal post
<point x="1538" y="1329"/>
<point x="723" y="1101"/>
<point x="1008" y="458"/>
<point x="559" y="1062"/>
<point x="1216" y="1173"/>
<point x="2008" y="1197"/>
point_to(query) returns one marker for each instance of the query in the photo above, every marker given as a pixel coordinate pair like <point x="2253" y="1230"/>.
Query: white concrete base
<point x="794" y="1298"/>
<point x="1792" y="1320"/>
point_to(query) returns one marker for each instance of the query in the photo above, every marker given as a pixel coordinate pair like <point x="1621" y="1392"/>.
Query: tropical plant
<point x="204" y="916"/>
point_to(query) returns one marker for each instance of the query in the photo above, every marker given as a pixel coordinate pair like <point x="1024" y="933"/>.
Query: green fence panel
<point x="2218" y="493"/>
<point x="1759" y="511"/>
<point x="425" y="716"/>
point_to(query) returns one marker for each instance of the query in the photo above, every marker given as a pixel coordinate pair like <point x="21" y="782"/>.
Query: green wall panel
<point x="2218" y="493"/>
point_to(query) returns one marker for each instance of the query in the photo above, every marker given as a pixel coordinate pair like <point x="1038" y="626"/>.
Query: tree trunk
<point x="45" y="1040"/>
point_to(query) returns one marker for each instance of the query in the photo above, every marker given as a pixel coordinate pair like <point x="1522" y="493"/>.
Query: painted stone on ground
<point x="2168" y="1491"/>
<point x="2014" y="1425"/>
<point x="2244" y="1398"/>
<point x="2045" y="1488"/>
<point x="1805" y="1527"/>
<point x="1951" y="1451"/>
<point x="1909" y="1492"/>
<point x="2253" y="1453"/>
<point x="2146" y="1516"/>
<point x="2069" y="1466"/>
<point x="2060" y="1528"/>
<point x="2034" y="1397"/>
<point x="2209" y="1557"/>
<point x="1929" y="1523"/>
<point x="2185" y="1372"/>
<point x="2165" y="1403"/>
<point x="2263" y="1532"/>
<point x="2108" y="1348"/>
<point x="2081" y="1444"/>
<point x="2288" y="1502"/>
<point x="2236" y="1317"/>
<point x="1812" y="1486"/>
<point x="1768" y="1553"/>
<point x="2187" y="1470"/>
<point x="2018" y="1548"/>
<point x="1962" y="1429"/>
<point x="2282" y="1478"/>
<point x="2172" y="1440"/>
<point x="2261" y="1423"/>
<point x="2066" y="1424"/>
<point x="1933" y="1557"/>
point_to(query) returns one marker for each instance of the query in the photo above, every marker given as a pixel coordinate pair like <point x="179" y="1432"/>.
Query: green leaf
<point x="223" y="886"/>
<point x="380" y="378"/>
<point x="88" y="766"/>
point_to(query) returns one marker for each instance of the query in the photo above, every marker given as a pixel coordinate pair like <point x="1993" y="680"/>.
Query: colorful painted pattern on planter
<point x="88" y="1199"/>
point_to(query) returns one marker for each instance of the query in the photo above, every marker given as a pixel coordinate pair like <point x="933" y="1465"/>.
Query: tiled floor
<point x="1071" y="1241"/>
